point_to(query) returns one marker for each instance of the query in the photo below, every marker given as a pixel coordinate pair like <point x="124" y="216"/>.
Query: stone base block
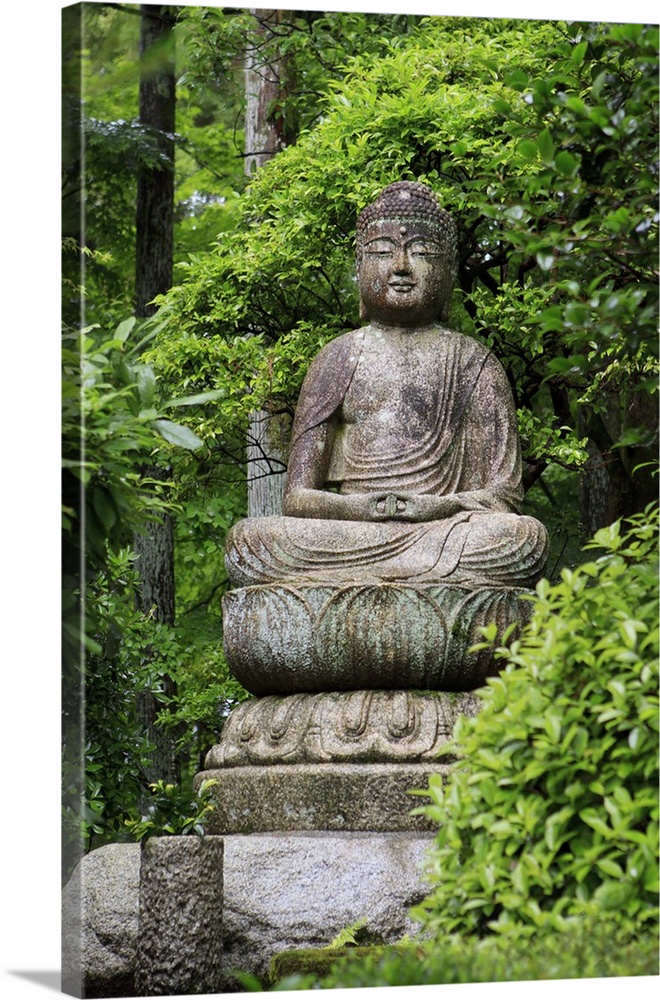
<point x="100" y="910"/>
<point x="355" y="797"/>
<point x="300" y="890"/>
<point x="280" y="891"/>
<point x="281" y="639"/>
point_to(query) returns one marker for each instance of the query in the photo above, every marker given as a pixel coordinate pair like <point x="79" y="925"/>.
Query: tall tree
<point x="268" y="130"/>
<point x="155" y="195"/>
<point x="153" y="277"/>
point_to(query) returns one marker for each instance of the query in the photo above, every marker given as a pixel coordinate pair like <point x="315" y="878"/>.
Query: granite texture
<point x="180" y="924"/>
<point x="100" y="923"/>
<point x="299" y="890"/>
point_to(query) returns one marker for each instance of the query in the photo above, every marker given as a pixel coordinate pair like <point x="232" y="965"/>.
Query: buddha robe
<point x="415" y="414"/>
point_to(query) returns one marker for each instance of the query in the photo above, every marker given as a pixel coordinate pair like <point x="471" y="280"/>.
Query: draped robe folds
<point x="448" y="424"/>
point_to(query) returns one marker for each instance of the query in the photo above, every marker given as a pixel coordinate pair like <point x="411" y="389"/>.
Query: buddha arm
<point x="305" y="494"/>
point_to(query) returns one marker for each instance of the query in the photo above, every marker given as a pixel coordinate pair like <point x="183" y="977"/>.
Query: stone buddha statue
<point x="405" y="460"/>
<point x="355" y="612"/>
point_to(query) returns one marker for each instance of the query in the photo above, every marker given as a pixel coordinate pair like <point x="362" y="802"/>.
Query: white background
<point x="29" y="796"/>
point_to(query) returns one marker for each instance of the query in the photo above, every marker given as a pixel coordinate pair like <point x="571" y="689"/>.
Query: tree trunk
<point x="267" y="131"/>
<point x="153" y="276"/>
<point x="155" y="194"/>
<point x="267" y="449"/>
<point x="268" y="81"/>
<point x="619" y="481"/>
<point x="155" y="550"/>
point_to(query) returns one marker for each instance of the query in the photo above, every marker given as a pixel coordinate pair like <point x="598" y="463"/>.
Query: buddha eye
<point x="423" y="249"/>
<point x="380" y="248"/>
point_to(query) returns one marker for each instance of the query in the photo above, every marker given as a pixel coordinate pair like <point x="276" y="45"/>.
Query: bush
<point x="172" y="810"/>
<point x="553" y="811"/>
<point x="588" y="949"/>
<point x="545" y="864"/>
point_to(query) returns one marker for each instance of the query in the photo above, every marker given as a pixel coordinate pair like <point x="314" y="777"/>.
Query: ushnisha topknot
<point x="405" y="200"/>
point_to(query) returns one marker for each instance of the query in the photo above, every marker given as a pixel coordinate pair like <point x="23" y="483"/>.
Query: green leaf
<point x="123" y="331"/>
<point x="546" y="147"/>
<point x="579" y="52"/>
<point x="198" y="399"/>
<point x="596" y="822"/>
<point x="517" y="80"/>
<point x="566" y="164"/>
<point x="104" y="508"/>
<point x="610" y="867"/>
<point x="178" y="434"/>
<point x="553" y="727"/>
<point x="545" y="259"/>
<point x="528" y="149"/>
<point x="146" y="383"/>
<point x="612" y="895"/>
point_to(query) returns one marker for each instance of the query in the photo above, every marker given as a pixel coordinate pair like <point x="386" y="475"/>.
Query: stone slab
<point x="300" y="890"/>
<point x="100" y="923"/>
<point x="350" y="797"/>
<point x="281" y="891"/>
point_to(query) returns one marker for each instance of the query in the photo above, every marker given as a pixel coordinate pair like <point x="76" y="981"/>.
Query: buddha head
<point x="407" y="257"/>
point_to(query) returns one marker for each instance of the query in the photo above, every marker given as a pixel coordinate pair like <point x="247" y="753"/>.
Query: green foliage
<point x="309" y="965"/>
<point x="205" y="690"/>
<point x="172" y="810"/>
<point x="347" y="935"/>
<point x="553" y="812"/>
<point x="115" y="146"/>
<point x="105" y="750"/>
<point x="107" y="757"/>
<point x="545" y="865"/>
<point x="114" y="427"/>
<point x="586" y="949"/>
<point x="113" y="424"/>
<point x="551" y="500"/>
<point x="531" y="133"/>
<point x="307" y="49"/>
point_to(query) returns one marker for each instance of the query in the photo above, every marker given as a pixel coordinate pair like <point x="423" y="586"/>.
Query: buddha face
<point x="403" y="274"/>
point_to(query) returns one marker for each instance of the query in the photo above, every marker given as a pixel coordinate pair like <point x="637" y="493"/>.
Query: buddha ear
<point x="364" y="312"/>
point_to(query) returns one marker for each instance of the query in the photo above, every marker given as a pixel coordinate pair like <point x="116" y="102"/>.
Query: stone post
<point x="180" y="924"/>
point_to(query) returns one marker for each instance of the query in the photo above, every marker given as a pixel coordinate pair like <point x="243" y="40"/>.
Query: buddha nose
<point x="401" y="263"/>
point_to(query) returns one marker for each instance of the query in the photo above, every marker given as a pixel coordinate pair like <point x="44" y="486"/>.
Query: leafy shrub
<point x="175" y="811"/>
<point x="545" y="863"/>
<point x="113" y="429"/>
<point x="553" y="810"/>
<point x="587" y="949"/>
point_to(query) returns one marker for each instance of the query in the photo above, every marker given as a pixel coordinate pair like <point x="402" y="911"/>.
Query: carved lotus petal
<point x="268" y="639"/>
<point x="384" y="636"/>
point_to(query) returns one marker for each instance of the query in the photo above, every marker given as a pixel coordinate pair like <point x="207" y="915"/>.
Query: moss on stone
<point x="315" y="961"/>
